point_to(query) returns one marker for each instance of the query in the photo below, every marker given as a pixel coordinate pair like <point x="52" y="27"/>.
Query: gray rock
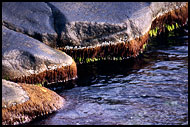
<point x="23" y="55"/>
<point x="83" y="23"/>
<point x="92" y="23"/>
<point x="27" y="24"/>
<point x="159" y="8"/>
<point x="12" y="94"/>
<point x="32" y="18"/>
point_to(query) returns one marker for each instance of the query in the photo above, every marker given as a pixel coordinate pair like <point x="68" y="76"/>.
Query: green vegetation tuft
<point x="90" y="60"/>
<point x="176" y="25"/>
<point x="154" y="32"/>
<point x="171" y="27"/>
<point x="144" y="46"/>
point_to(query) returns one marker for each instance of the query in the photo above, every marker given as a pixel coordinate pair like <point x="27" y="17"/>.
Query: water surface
<point x="151" y="89"/>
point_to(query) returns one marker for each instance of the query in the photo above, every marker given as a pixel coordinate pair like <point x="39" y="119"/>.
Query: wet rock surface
<point x="22" y="102"/>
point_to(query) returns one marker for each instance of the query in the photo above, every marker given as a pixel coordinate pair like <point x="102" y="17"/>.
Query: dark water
<point x="151" y="89"/>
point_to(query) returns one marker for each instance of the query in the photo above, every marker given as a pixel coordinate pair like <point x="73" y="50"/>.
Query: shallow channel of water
<point x="151" y="89"/>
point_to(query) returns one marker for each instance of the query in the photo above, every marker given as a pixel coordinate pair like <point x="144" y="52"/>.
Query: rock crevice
<point x="58" y="21"/>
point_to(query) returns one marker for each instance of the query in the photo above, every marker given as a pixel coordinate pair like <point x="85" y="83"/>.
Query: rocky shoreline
<point x="40" y="41"/>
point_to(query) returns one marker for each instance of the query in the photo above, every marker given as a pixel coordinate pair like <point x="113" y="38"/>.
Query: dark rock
<point x="96" y="27"/>
<point x="92" y="23"/>
<point x="125" y="37"/>
<point x="32" y="18"/>
<point x="84" y="23"/>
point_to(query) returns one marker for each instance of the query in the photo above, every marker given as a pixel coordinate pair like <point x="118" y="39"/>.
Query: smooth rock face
<point x="32" y="18"/>
<point x="92" y="23"/>
<point x="12" y="94"/>
<point x="110" y="12"/>
<point x="22" y="102"/>
<point x="163" y="7"/>
<point x="23" y="56"/>
<point x="83" y="23"/>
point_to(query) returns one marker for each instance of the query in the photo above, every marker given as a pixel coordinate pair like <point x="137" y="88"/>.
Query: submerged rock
<point x="22" y="102"/>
